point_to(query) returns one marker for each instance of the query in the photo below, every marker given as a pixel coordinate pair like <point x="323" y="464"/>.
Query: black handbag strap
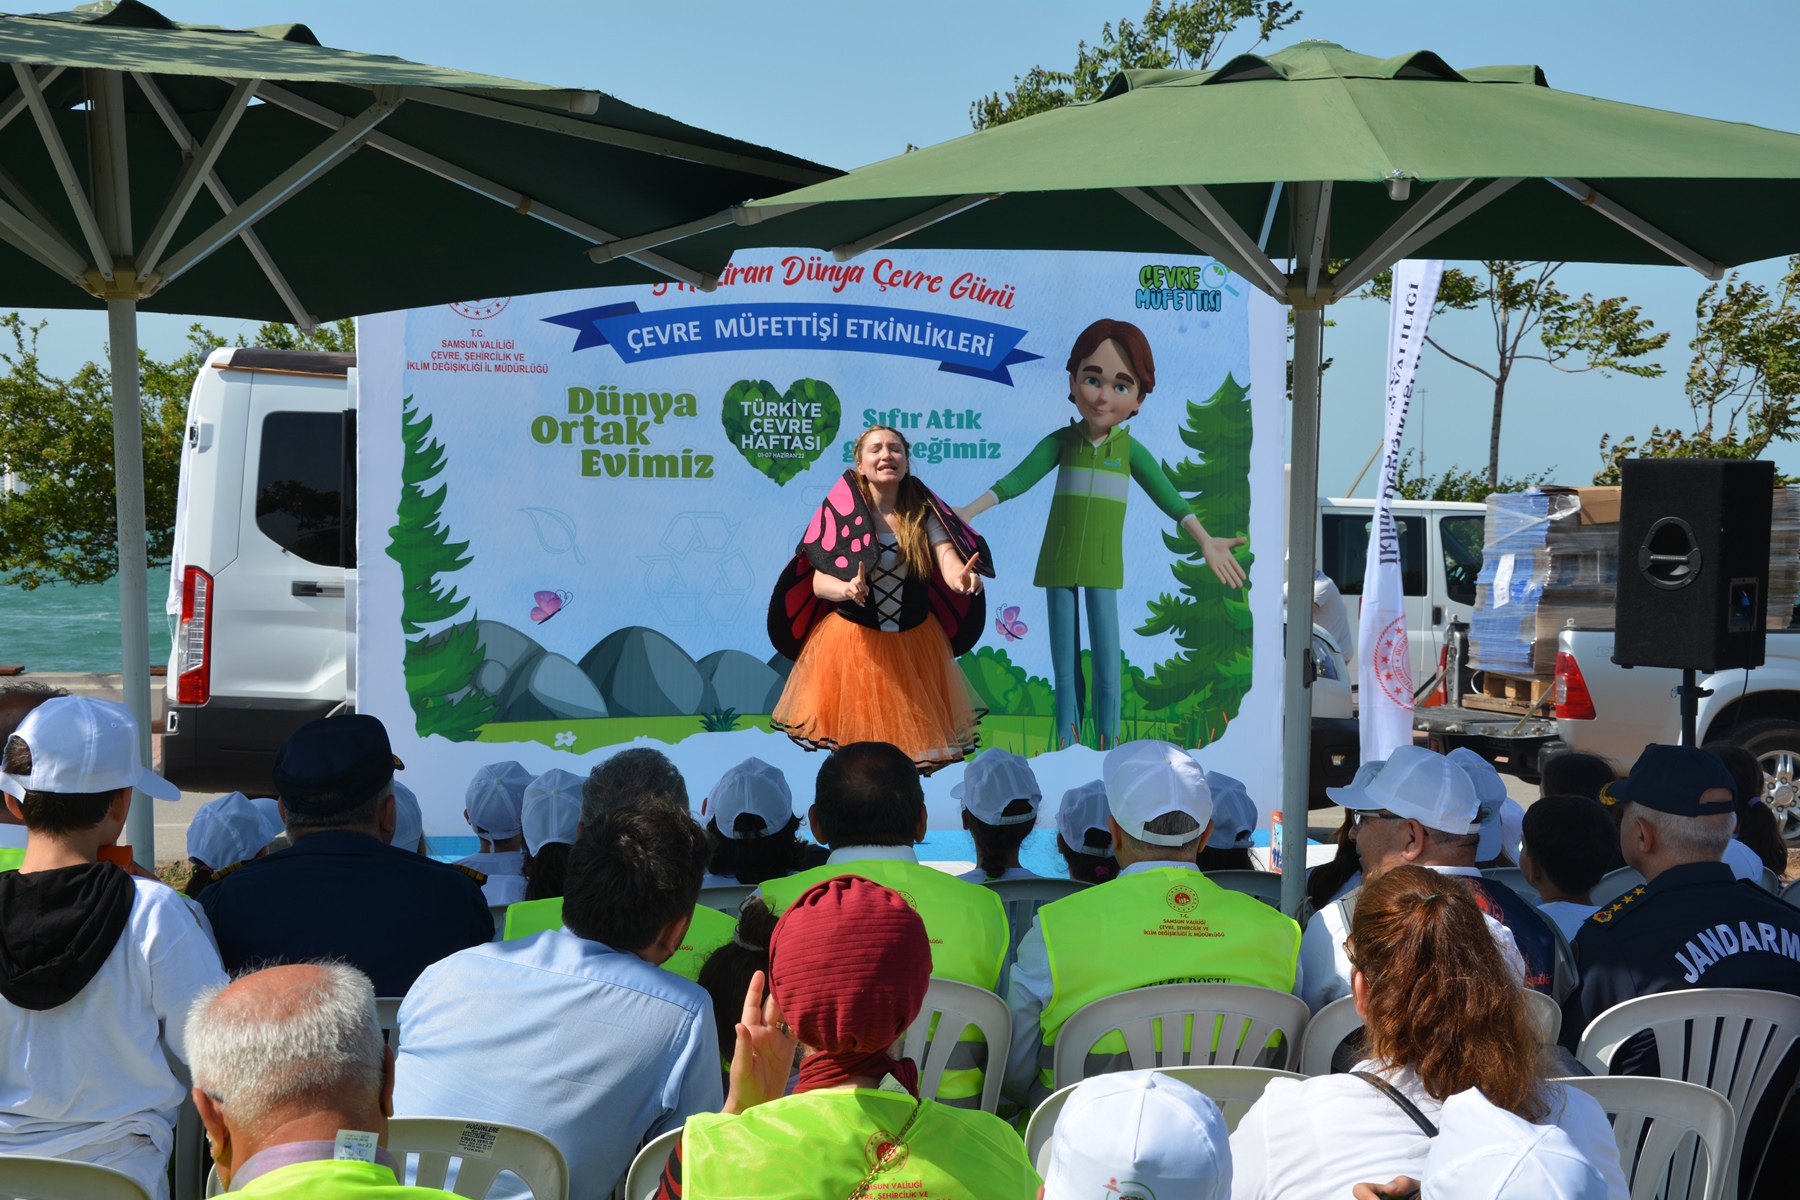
<point x="1406" y="1106"/>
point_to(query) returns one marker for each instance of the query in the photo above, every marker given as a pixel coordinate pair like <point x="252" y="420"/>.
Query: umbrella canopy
<point x="255" y="173"/>
<point x="1307" y="171"/>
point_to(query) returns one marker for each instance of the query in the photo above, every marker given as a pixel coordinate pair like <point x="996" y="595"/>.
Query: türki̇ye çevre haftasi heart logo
<point x="781" y="433"/>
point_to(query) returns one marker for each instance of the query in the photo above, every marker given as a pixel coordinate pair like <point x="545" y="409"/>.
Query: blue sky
<point x="853" y="81"/>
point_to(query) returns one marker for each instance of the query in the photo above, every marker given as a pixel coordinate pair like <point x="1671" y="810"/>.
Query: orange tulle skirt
<point x="856" y="684"/>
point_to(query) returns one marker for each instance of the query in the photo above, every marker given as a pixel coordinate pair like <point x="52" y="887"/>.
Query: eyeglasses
<point x="1358" y="816"/>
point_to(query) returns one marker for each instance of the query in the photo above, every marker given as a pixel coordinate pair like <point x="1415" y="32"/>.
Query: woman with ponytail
<point x="1442" y="1014"/>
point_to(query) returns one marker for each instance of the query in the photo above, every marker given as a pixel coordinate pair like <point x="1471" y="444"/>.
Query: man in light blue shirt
<point x="577" y="1033"/>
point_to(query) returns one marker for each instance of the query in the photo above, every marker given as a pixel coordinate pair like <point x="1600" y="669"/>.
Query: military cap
<point x="332" y="765"/>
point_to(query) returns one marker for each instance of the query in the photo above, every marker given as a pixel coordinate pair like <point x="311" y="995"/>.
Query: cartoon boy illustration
<point x="1111" y="371"/>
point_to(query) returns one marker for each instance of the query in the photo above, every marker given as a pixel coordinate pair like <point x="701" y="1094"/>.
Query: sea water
<point x="64" y="627"/>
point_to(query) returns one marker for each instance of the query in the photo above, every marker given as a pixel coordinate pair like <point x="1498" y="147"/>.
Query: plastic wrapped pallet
<point x="1784" y="558"/>
<point x="1541" y="569"/>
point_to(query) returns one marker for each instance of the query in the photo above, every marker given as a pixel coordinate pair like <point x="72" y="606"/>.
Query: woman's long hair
<point x="910" y="506"/>
<point x="1441" y="999"/>
<point x="755" y="855"/>
<point x="1324" y="880"/>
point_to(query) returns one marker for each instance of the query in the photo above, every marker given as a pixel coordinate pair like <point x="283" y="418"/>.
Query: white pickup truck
<point x="1615" y="711"/>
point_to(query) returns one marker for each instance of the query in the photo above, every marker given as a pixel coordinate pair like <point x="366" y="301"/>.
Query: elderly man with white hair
<point x="295" y="1086"/>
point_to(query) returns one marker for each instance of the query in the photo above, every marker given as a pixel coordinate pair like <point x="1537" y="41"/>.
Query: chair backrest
<point x="1791" y="893"/>
<point x="1566" y="976"/>
<point x="954" y="1007"/>
<point x="1771" y="882"/>
<point x="1233" y="1089"/>
<point x="30" y="1177"/>
<point x="1656" y="1123"/>
<point x="1232" y="1026"/>
<point x="1264" y="885"/>
<point x="726" y="897"/>
<point x="1614" y="884"/>
<point x="190" y="1155"/>
<point x="1514" y="878"/>
<point x="1338" y="1020"/>
<point x="1023" y="897"/>
<point x="484" y="1149"/>
<point x="387" y="1012"/>
<point x="1728" y="1039"/>
<point x="1546" y="1013"/>
<point x="646" y="1169"/>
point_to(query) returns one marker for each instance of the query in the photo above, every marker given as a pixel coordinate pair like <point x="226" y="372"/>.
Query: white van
<point x="1440" y="556"/>
<point x="265" y="530"/>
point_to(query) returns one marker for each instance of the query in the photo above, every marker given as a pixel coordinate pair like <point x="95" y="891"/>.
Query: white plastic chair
<point x="1232" y="1026"/>
<point x="1264" y="885"/>
<point x="1233" y="1089"/>
<point x="387" y="1012"/>
<point x="190" y="1156"/>
<point x="726" y="897"/>
<point x="1655" y="1122"/>
<point x="1547" y="1013"/>
<point x="1771" y="882"/>
<point x="1338" y="1020"/>
<point x="1791" y="893"/>
<point x="1023" y="897"/>
<point x="958" y="1006"/>
<point x="29" y="1177"/>
<point x="481" y="1149"/>
<point x="1727" y="1039"/>
<point x="646" y="1169"/>
<point x="1514" y="878"/>
<point x="1614" y="884"/>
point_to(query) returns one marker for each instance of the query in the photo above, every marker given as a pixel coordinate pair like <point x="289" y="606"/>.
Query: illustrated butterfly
<point x="548" y="605"/>
<point x="1008" y="623"/>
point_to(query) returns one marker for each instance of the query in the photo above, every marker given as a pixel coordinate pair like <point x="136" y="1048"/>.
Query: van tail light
<point x="1573" y="703"/>
<point x="193" y="639"/>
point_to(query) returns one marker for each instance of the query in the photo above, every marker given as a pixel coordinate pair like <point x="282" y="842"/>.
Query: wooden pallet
<point x="1507" y="693"/>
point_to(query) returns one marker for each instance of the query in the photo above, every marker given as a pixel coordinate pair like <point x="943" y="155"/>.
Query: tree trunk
<point x="1493" y="474"/>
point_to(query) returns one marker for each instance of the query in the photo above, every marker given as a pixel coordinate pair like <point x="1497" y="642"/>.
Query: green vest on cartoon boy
<point x="1111" y="372"/>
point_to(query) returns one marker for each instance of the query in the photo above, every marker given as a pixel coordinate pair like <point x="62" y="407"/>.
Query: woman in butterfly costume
<point x="881" y="596"/>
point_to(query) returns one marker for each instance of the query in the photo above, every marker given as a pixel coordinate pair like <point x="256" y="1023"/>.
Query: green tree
<point x="1572" y="335"/>
<point x="336" y="336"/>
<point x="440" y="668"/>
<point x="1469" y="487"/>
<point x="1183" y="34"/>
<point x="1211" y="623"/>
<point x="1742" y="383"/>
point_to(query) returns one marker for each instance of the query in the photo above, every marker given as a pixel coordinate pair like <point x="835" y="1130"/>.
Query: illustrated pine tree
<point x="439" y="668"/>
<point x="1206" y="682"/>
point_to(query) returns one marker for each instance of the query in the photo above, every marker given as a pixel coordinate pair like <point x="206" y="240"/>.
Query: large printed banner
<point x="573" y="507"/>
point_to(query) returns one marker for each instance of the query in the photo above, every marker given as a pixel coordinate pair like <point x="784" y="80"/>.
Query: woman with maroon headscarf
<point x="848" y="967"/>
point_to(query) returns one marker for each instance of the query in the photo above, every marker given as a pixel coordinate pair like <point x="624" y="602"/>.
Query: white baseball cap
<point x="753" y="786"/>
<point x="552" y="809"/>
<point x="1417" y="783"/>
<point x="232" y="828"/>
<point x="1149" y="779"/>
<point x="1083" y="808"/>
<point x="1490" y="794"/>
<point x="409" y="822"/>
<point x="994" y="780"/>
<point x="495" y="798"/>
<point x="1483" y="1152"/>
<point x="1138" y="1135"/>
<point x="80" y="744"/>
<point x="1234" y="813"/>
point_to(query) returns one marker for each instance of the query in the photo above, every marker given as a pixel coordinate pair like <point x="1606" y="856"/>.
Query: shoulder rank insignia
<point x="1608" y="911"/>
<point x="222" y="872"/>
<point x="471" y="872"/>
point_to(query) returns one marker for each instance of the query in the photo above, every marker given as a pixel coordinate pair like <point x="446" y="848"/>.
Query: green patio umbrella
<point x="1307" y="171"/>
<point x="255" y="173"/>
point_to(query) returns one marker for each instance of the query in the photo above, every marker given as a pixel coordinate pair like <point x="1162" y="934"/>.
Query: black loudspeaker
<point x="1693" y="563"/>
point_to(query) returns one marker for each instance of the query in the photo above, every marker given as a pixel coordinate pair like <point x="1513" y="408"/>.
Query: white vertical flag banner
<point x="1384" y="666"/>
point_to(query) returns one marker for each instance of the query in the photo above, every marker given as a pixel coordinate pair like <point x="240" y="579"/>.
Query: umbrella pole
<point x="134" y="605"/>
<point x="1303" y="486"/>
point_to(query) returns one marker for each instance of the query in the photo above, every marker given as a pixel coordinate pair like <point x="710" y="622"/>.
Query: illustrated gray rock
<point x="552" y="688"/>
<point x="781" y="664"/>
<point x="642" y="673"/>
<point x="741" y="682"/>
<point x="506" y="656"/>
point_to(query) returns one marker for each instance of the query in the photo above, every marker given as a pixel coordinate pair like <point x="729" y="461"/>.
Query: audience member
<point x="1502" y="817"/>
<point x="1568" y="843"/>
<point x="1135" y="1135"/>
<point x="576" y="1032"/>
<point x="1691" y="925"/>
<point x="17" y="697"/>
<point x="1161" y="919"/>
<point x="1420" y="808"/>
<point x="1082" y="836"/>
<point x="97" y="967"/>
<point x="1757" y="827"/>
<point x="630" y="777"/>
<point x="295" y="1087"/>
<point x="1000" y="798"/>
<point x="1483" y="1152"/>
<point x="751" y="826"/>
<point x="340" y="891"/>
<point x="1336" y="879"/>
<point x="728" y="971"/>
<point x="226" y="832"/>
<point x="1442" y="1014"/>
<point x="1234" y="826"/>
<point x="1575" y="774"/>
<point x="492" y="806"/>
<point x="550" y="818"/>
<point x="849" y="963"/>
<point x="409" y="822"/>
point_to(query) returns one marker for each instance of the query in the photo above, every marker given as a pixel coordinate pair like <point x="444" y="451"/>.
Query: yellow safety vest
<point x="824" y="1143"/>
<point x="1167" y="925"/>
<point x="710" y="930"/>
<point x="966" y="925"/>
<point x="11" y="860"/>
<point x="335" y="1179"/>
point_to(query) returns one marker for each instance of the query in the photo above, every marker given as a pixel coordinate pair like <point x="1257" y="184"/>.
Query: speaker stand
<point x="1689" y="693"/>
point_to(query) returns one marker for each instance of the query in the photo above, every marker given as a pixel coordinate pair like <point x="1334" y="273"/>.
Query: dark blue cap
<point x="1672" y="779"/>
<point x="334" y="764"/>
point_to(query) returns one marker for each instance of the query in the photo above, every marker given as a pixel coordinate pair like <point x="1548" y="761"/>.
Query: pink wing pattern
<point x="548" y="605"/>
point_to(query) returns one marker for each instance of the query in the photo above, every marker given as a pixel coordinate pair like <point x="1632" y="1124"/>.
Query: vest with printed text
<point x="710" y="930"/>
<point x="335" y="1179"/>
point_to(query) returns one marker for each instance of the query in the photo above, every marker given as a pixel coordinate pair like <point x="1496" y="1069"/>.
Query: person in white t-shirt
<point x="1483" y="1152"/>
<point x="1568" y="845"/>
<point x="98" y="965"/>
<point x="493" y="806"/>
<point x="1000" y="798"/>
